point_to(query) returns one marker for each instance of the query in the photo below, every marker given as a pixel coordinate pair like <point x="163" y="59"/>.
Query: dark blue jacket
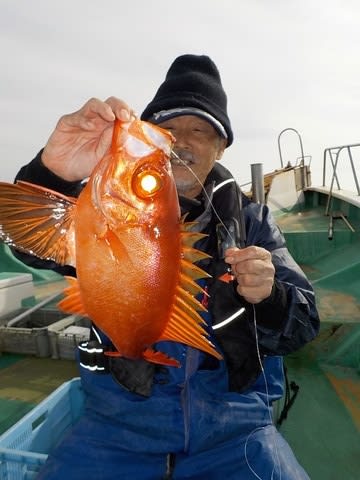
<point x="285" y="321"/>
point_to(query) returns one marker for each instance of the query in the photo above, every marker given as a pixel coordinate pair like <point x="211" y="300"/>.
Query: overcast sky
<point x="284" y="63"/>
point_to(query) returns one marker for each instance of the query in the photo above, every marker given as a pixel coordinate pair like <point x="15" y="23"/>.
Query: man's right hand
<point x="82" y="138"/>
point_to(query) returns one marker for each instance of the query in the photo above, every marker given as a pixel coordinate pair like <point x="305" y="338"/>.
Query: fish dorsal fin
<point x="191" y="286"/>
<point x="193" y="255"/>
<point x="38" y="221"/>
<point x="185" y="324"/>
<point x="192" y="271"/>
<point x="189" y="330"/>
<point x="72" y="303"/>
<point x="189" y="238"/>
<point x="190" y="254"/>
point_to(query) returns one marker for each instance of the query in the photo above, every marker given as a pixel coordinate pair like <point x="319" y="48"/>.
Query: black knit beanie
<point x="192" y="86"/>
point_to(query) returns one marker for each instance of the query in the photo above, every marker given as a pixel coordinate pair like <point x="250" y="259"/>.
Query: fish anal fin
<point x="72" y="303"/>
<point x="159" y="358"/>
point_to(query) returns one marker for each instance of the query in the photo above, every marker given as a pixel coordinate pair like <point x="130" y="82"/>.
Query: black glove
<point x="136" y="376"/>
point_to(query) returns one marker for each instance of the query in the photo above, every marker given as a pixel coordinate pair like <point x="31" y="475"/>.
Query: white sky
<point x="284" y="63"/>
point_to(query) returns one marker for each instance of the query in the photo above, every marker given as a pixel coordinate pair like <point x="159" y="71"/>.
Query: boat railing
<point x="260" y="183"/>
<point x="302" y="162"/>
<point x="333" y="155"/>
<point x="305" y="159"/>
<point x="301" y="159"/>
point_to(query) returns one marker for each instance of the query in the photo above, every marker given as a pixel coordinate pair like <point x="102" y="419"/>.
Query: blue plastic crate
<point x="25" y="446"/>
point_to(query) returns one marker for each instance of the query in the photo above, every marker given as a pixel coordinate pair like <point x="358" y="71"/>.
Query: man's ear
<point x="221" y="148"/>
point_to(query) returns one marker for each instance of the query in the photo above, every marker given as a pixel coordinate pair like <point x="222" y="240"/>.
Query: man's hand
<point x="253" y="270"/>
<point x="82" y="138"/>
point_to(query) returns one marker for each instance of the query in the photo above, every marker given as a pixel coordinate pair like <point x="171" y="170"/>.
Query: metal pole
<point x="354" y="171"/>
<point x="257" y="180"/>
<point x="332" y="182"/>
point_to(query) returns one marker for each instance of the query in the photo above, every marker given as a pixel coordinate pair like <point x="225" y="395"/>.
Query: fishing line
<point x="277" y="459"/>
<point x="174" y="154"/>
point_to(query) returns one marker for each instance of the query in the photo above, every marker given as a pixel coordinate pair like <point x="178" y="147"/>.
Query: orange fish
<point x="133" y="254"/>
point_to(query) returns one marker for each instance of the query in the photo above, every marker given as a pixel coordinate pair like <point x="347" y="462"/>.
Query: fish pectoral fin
<point x="38" y="221"/>
<point x="72" y="303"/>
<point x="160" y="358"/>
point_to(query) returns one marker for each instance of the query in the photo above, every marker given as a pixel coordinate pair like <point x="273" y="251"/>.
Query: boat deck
<point x="323" y="425"/>
<point x="332" y="265"/>
<point x="328" y="409"/>
<point x="327" y="370"/>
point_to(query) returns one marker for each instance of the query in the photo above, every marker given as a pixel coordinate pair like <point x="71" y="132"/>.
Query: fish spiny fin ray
<point x="188" y="302"/>
<point x="38" y="221"/>
<point x="72" y="303"/>
<point x="192" y="271"/>
<point x="189" y="238"/>
<point x="185" y="324"/>
<point x="191" y="286"/>
<point x="190" y="254"/>
<point x="193" y="255"/>
<point x="185" y="329"/>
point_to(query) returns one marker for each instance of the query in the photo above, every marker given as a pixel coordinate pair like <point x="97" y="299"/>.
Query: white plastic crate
<point x="66" y="334"/>
<point x="14" y="289"/>
<point x="29" y="335"/>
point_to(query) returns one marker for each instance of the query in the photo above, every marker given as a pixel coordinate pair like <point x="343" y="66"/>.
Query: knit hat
<point x="192" y="86"/>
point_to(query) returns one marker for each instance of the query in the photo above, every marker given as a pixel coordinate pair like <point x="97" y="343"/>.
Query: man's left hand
<point x="253" y="270"/>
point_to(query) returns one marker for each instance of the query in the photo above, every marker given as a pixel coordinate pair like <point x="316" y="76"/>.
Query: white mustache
<point x="183" y="155"/>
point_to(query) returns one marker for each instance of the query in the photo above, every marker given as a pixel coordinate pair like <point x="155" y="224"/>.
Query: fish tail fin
<point x="152" y="356"/>
<point x="159" y="358"/>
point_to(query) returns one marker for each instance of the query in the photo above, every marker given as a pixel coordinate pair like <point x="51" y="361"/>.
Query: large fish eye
<point x="147" y="182"/>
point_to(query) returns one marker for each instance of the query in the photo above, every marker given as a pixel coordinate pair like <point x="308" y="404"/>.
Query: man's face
<point x="199" y="146"/>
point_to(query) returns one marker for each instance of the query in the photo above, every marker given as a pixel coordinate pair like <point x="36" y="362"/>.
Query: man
<point x="208" y="419"/>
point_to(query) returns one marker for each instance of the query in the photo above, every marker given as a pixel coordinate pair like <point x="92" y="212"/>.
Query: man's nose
<point x="181" y="139"/>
